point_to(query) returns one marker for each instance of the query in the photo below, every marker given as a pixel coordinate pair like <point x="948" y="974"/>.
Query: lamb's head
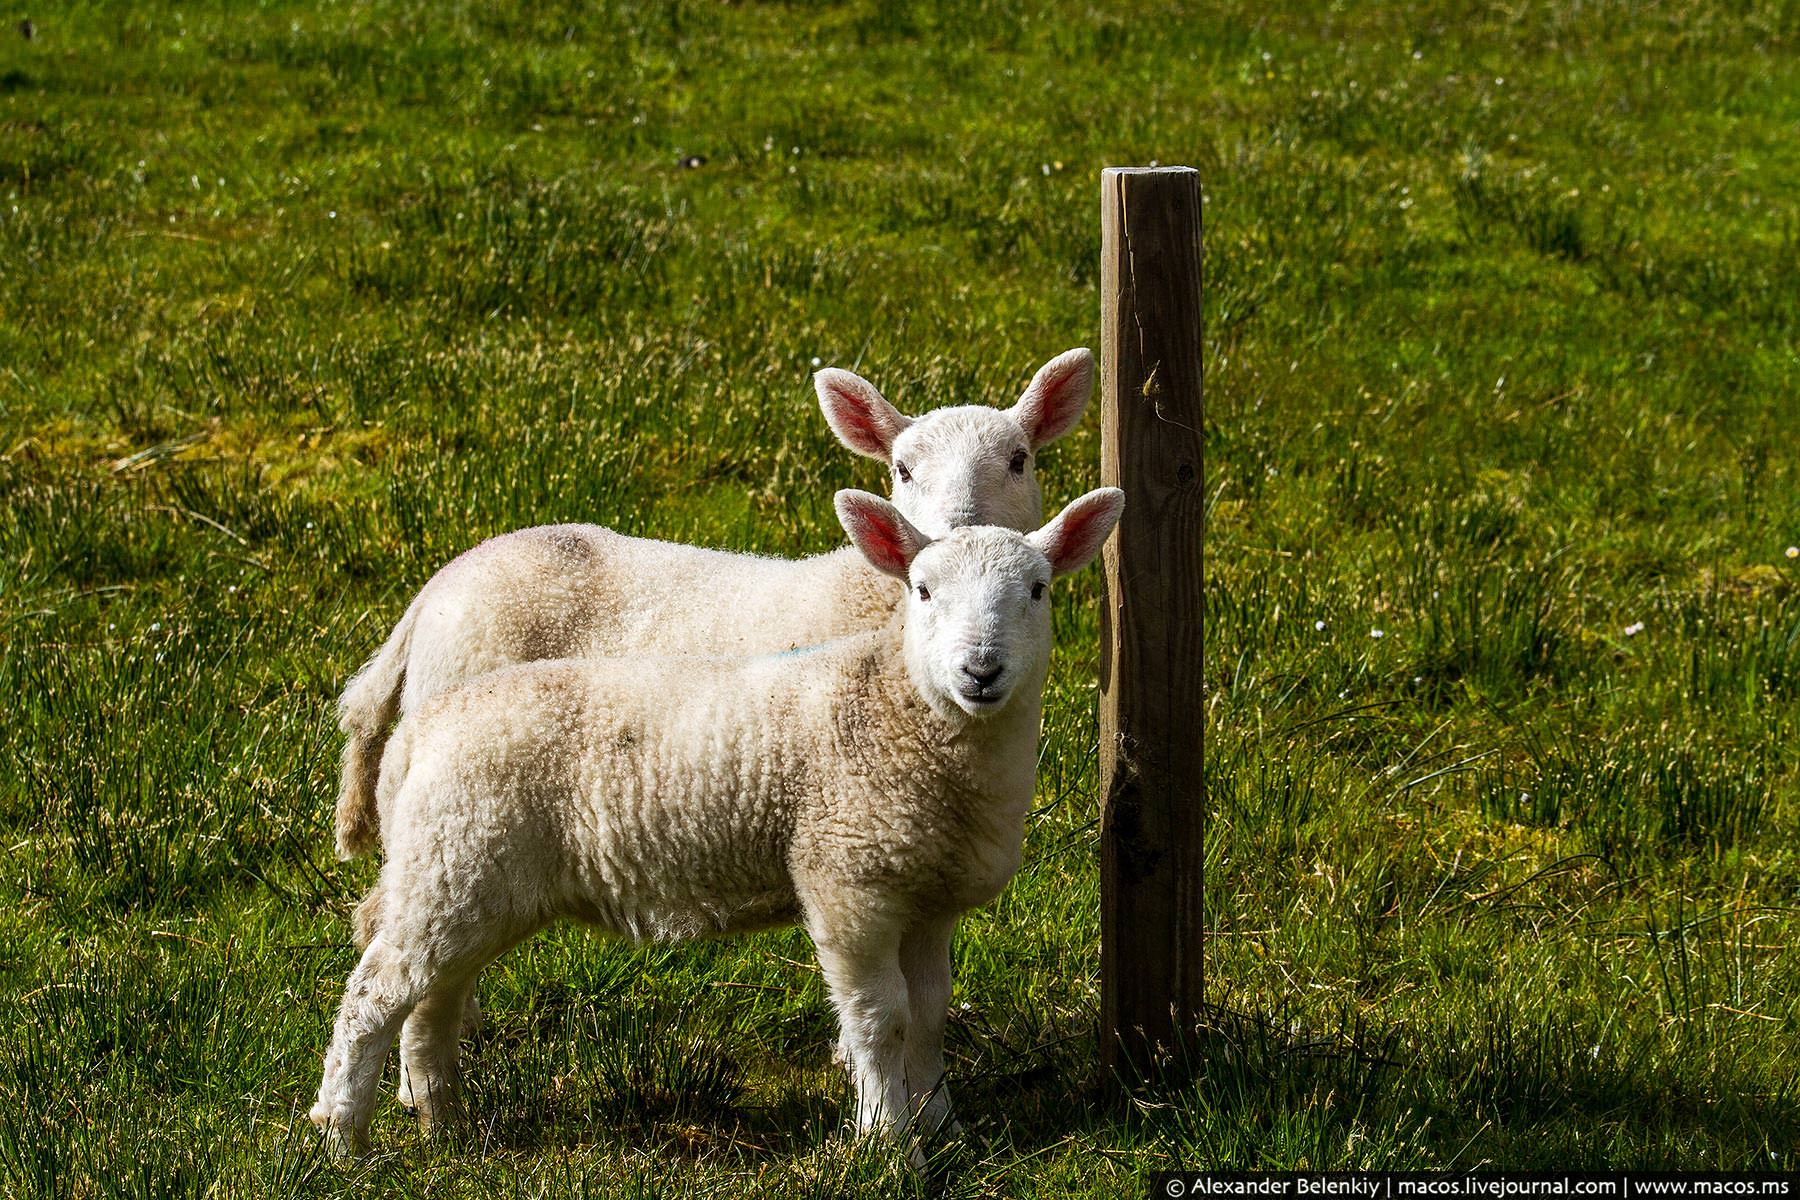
<point x="977" y="604"/>
<point x="967" y="465"/>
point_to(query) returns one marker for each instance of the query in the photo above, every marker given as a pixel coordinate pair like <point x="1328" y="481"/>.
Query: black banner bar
<point x="1476" y="1185"/>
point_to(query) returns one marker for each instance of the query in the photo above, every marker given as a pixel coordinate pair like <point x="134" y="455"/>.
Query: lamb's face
<point x="969" y="465"/>
<point x="966" y="466"/>
<point x="978" y="620"/>
<point x="977" y="606"/>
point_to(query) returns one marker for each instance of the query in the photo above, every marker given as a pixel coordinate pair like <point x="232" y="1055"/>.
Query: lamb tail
<point x="366" y="713"/>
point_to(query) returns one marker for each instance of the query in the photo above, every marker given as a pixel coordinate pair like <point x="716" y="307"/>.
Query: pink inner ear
<point x="1054" y="409"/>
<point x="1073" y="534"/>
<point x="1056" y="400"/>
<point x="881" y="542"/>
<point x="857" y="413"/>
<point x="1078" y="535"/>
<point x="853" y="420"/>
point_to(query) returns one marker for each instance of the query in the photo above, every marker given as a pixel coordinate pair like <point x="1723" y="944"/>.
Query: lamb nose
<point x="981" y="678"/>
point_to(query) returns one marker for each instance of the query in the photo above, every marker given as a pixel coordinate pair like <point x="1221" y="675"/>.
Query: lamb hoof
<point x="339" y="1143"/>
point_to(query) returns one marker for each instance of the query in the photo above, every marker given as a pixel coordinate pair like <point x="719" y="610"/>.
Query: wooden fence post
<point x="1152" y="808"/>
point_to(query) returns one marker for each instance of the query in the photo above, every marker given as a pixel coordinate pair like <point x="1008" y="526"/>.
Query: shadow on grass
<point x="1260" y="1090"/>
<point x="1251" y="1090"/>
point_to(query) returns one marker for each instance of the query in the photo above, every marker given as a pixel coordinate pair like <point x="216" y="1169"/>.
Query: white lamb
<point x="871" y="790"/>
<point x="582" y="591"/>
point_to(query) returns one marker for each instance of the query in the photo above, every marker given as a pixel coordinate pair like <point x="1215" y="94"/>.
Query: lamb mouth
<point x="981" y="697"/>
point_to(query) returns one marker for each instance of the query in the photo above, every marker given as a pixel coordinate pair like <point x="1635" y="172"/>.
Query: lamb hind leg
<point x="430" y="1075"/>
<point x="382" y="989"/>
<point x="408" y="965"/>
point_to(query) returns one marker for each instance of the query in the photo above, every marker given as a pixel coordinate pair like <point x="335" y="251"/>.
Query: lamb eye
<point x="1018" y="462"/>
<point x="904" y="474"/>
<point x="1037" y="591"/>
<point x="924" y="592"/>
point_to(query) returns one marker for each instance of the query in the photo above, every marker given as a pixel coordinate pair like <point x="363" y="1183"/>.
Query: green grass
<point x="299" y="301"/>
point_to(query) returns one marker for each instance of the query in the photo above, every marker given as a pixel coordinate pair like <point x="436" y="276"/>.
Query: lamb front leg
<point x="859" y="954"/>
<point x="925" y="960"/>
<point x="869" y="993"/>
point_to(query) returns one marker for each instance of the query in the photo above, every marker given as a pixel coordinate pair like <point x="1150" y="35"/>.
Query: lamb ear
<point x="885" y="537"/>
<point x="1057" y="397"/>
<point x="858" y="415"/>
<point x="1075" y="534"/>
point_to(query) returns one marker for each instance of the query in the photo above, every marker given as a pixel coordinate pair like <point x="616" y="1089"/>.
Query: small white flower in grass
<point x="309" y="524"/>
<point x="156" y="627"/>
<point x="1378" y="633"/>
<point x="1417" y="55"/>
<point x="110" y="627"/>
<point x="1044" y="167"/>
<point x="1319" y="625"/>
<point x="332" y="214"/>
<point x="816" y="360"/>
<point x="231" y="590"/>
<point x="1793" y="551"/>
<point x="1633" y="629"/>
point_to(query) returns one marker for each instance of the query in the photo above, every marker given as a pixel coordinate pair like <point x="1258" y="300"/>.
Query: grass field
<point x="1502" y="645"/>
